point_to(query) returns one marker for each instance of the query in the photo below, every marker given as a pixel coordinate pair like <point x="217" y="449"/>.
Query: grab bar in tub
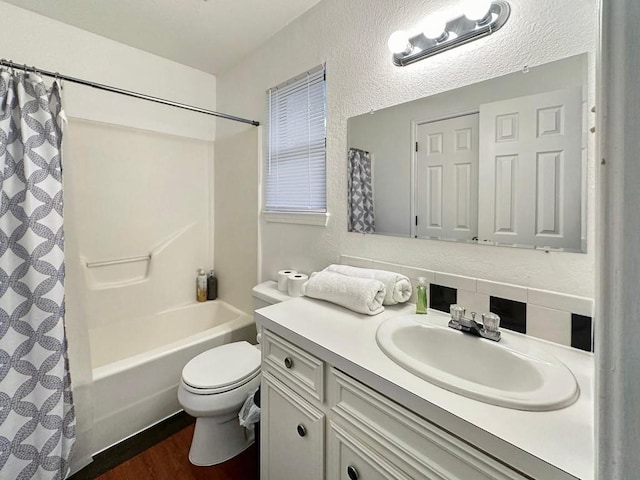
<point x="118" y="261"/>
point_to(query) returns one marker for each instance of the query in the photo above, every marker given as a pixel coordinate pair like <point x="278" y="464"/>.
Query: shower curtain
<point x="361" y="217"/>
<point x="37" y="418"/>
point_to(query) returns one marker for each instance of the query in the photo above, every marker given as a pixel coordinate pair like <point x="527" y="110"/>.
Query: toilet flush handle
<point x="288" y="362"/>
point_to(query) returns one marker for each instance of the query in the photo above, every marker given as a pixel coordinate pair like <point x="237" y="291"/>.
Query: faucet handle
<point x="457" y="312"/>
<point x="473" y="316"/>
<point x="490" y="322"/>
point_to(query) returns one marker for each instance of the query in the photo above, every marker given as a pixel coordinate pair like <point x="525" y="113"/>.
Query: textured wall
<point x="351" y="37"/>
<point x="51" y="45"/>
<point x="236" y="214"/>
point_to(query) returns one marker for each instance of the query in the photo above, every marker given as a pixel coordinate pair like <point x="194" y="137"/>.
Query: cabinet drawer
<point x="417" y="447"/>
<point x="299" y="370"/>
<point x="350" y="459"/>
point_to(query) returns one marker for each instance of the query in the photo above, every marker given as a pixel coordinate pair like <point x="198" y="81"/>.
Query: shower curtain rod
<point x="128" y="93"/>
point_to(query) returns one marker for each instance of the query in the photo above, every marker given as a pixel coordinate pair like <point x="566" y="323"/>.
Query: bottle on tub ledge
<point x="212" y="286"/>
<point x="201" y="286"/>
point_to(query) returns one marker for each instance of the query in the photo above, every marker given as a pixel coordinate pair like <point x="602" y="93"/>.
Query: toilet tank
<point x="266" y="294"/>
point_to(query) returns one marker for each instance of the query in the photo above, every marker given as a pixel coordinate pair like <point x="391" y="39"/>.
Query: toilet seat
<point x="221" y="369"/>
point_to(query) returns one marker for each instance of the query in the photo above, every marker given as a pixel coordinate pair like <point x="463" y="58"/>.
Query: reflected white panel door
<point x="531" y="170"/>
<point x="447" y="178"/>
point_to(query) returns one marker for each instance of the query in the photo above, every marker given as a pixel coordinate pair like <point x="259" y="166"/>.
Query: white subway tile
<point x="549" y="324"/>
<point x="561" y="301"/>
<point x="473" y="302"/>
<point x="455" y="281"/>
<point x="389" y="267"/>
<point x="502" y="290"/>
<point x="413" y="273"/>
<point x="359" y="262"/>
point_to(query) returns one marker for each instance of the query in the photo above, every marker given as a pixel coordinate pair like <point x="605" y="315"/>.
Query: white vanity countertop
<point x="562" y="438"/>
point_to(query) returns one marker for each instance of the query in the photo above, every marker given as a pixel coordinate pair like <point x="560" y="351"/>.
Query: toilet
<point x="215" y="384"/>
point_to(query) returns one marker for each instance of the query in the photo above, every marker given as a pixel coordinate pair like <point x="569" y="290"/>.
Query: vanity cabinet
<point x="292" y="426"/>
<point x="355" y="433"/>
<point x="292" y="443"/>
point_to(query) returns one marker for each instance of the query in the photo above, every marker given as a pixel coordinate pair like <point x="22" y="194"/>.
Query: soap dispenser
<point x="201" y="286"/>
<point x="421" y="291"/>
<point x="212" y="286"/>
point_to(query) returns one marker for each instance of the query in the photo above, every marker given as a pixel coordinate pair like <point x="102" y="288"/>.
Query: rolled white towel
<point x="362" y="295"/>
<point x="398" y="286"/>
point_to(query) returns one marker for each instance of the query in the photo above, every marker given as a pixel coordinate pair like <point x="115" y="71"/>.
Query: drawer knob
<point x="352" y="472"/>
<point x="288" y="362"/>
<point x="301" y="430"/>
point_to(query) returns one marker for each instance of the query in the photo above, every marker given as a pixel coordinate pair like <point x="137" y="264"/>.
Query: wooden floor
<point x="168" y="460"/>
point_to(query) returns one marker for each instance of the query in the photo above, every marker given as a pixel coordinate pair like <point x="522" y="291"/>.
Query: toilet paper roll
<point x="294" y="284"/>
<point x="283" y="279"/>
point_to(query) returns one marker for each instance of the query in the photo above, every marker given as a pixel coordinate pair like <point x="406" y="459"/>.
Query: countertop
<point x="556" y="444"/>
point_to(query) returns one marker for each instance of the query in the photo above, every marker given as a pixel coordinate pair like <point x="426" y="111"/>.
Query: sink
<point x="513" y="373"/>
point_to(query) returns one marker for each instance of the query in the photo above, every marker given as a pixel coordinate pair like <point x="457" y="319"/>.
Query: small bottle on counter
<point x="421" y="291"/>
<point x="212" y="286"/>
<point x="201" y="286"/>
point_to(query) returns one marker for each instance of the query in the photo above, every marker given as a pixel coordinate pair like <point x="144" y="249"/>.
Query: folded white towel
<point x="398" y="286"/>
<point x="362" y="295"/>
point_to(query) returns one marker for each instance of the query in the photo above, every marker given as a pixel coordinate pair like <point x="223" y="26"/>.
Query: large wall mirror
<point x="500" y="162"/>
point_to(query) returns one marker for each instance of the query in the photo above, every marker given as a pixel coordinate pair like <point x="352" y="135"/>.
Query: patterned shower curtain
<point x="37" y="420"/>
<point x="361" y="217"/>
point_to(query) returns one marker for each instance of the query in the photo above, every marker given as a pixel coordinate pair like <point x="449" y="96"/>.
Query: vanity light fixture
<point x="436" y="34"/>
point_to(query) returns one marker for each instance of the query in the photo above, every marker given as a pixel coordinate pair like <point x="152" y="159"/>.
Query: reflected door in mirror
<point x="531" y="170"/>
<point x="447" y="179"/>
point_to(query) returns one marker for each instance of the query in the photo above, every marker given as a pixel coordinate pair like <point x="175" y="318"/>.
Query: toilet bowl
<point x="213" y="387"/>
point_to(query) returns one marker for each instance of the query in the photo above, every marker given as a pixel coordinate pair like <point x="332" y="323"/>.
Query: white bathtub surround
<point x="140" y="362"/>
<point x="549" y="315"/>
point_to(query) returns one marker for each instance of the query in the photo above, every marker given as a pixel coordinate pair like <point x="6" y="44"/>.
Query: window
<point x="296" y="167"/>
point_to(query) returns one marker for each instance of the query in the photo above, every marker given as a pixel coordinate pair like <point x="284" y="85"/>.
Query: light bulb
<point x="434" y="27"/>
<point x="399" y="42"/>
<point x="477" y="10"/>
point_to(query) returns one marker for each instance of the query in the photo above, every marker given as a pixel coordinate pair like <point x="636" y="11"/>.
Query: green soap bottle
<point x="421" y="303"/>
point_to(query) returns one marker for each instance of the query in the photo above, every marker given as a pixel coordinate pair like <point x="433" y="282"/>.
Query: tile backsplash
<point x="552" y="316"/>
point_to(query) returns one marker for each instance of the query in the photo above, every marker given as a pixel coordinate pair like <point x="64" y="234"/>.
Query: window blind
<point x="296" y="167"/>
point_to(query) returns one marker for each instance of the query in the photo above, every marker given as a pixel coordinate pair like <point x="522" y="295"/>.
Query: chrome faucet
<point x="489" y="328"/>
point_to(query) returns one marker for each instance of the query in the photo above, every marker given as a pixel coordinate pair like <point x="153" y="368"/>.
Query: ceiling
<point x="210" y="35"/>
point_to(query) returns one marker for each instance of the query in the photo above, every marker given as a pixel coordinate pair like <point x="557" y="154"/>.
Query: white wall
<point x="236" y="214"/>
<point x="351" y="37"/>
<point x="50" y="45"/>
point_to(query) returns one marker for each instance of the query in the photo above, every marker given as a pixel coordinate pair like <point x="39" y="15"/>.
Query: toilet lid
<point x="224" y="366"/>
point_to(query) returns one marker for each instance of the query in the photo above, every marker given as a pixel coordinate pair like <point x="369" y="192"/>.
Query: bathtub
<point x="137" y="364"/>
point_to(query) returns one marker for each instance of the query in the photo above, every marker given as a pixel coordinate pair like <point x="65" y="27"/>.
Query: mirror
<point x="500" y="162"/>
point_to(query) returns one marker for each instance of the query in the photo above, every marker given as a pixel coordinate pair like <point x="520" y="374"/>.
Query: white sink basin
<point x="513" y="374"/>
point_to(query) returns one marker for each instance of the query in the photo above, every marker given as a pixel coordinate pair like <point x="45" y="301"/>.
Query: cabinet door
<point x="291" y="436"/>
<point x="350" y="459"/>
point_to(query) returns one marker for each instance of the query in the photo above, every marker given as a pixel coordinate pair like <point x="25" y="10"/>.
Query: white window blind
<point x="296" y="168"/>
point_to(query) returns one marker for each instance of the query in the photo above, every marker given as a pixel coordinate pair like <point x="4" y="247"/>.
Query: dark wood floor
<point x="168" y="460"/>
